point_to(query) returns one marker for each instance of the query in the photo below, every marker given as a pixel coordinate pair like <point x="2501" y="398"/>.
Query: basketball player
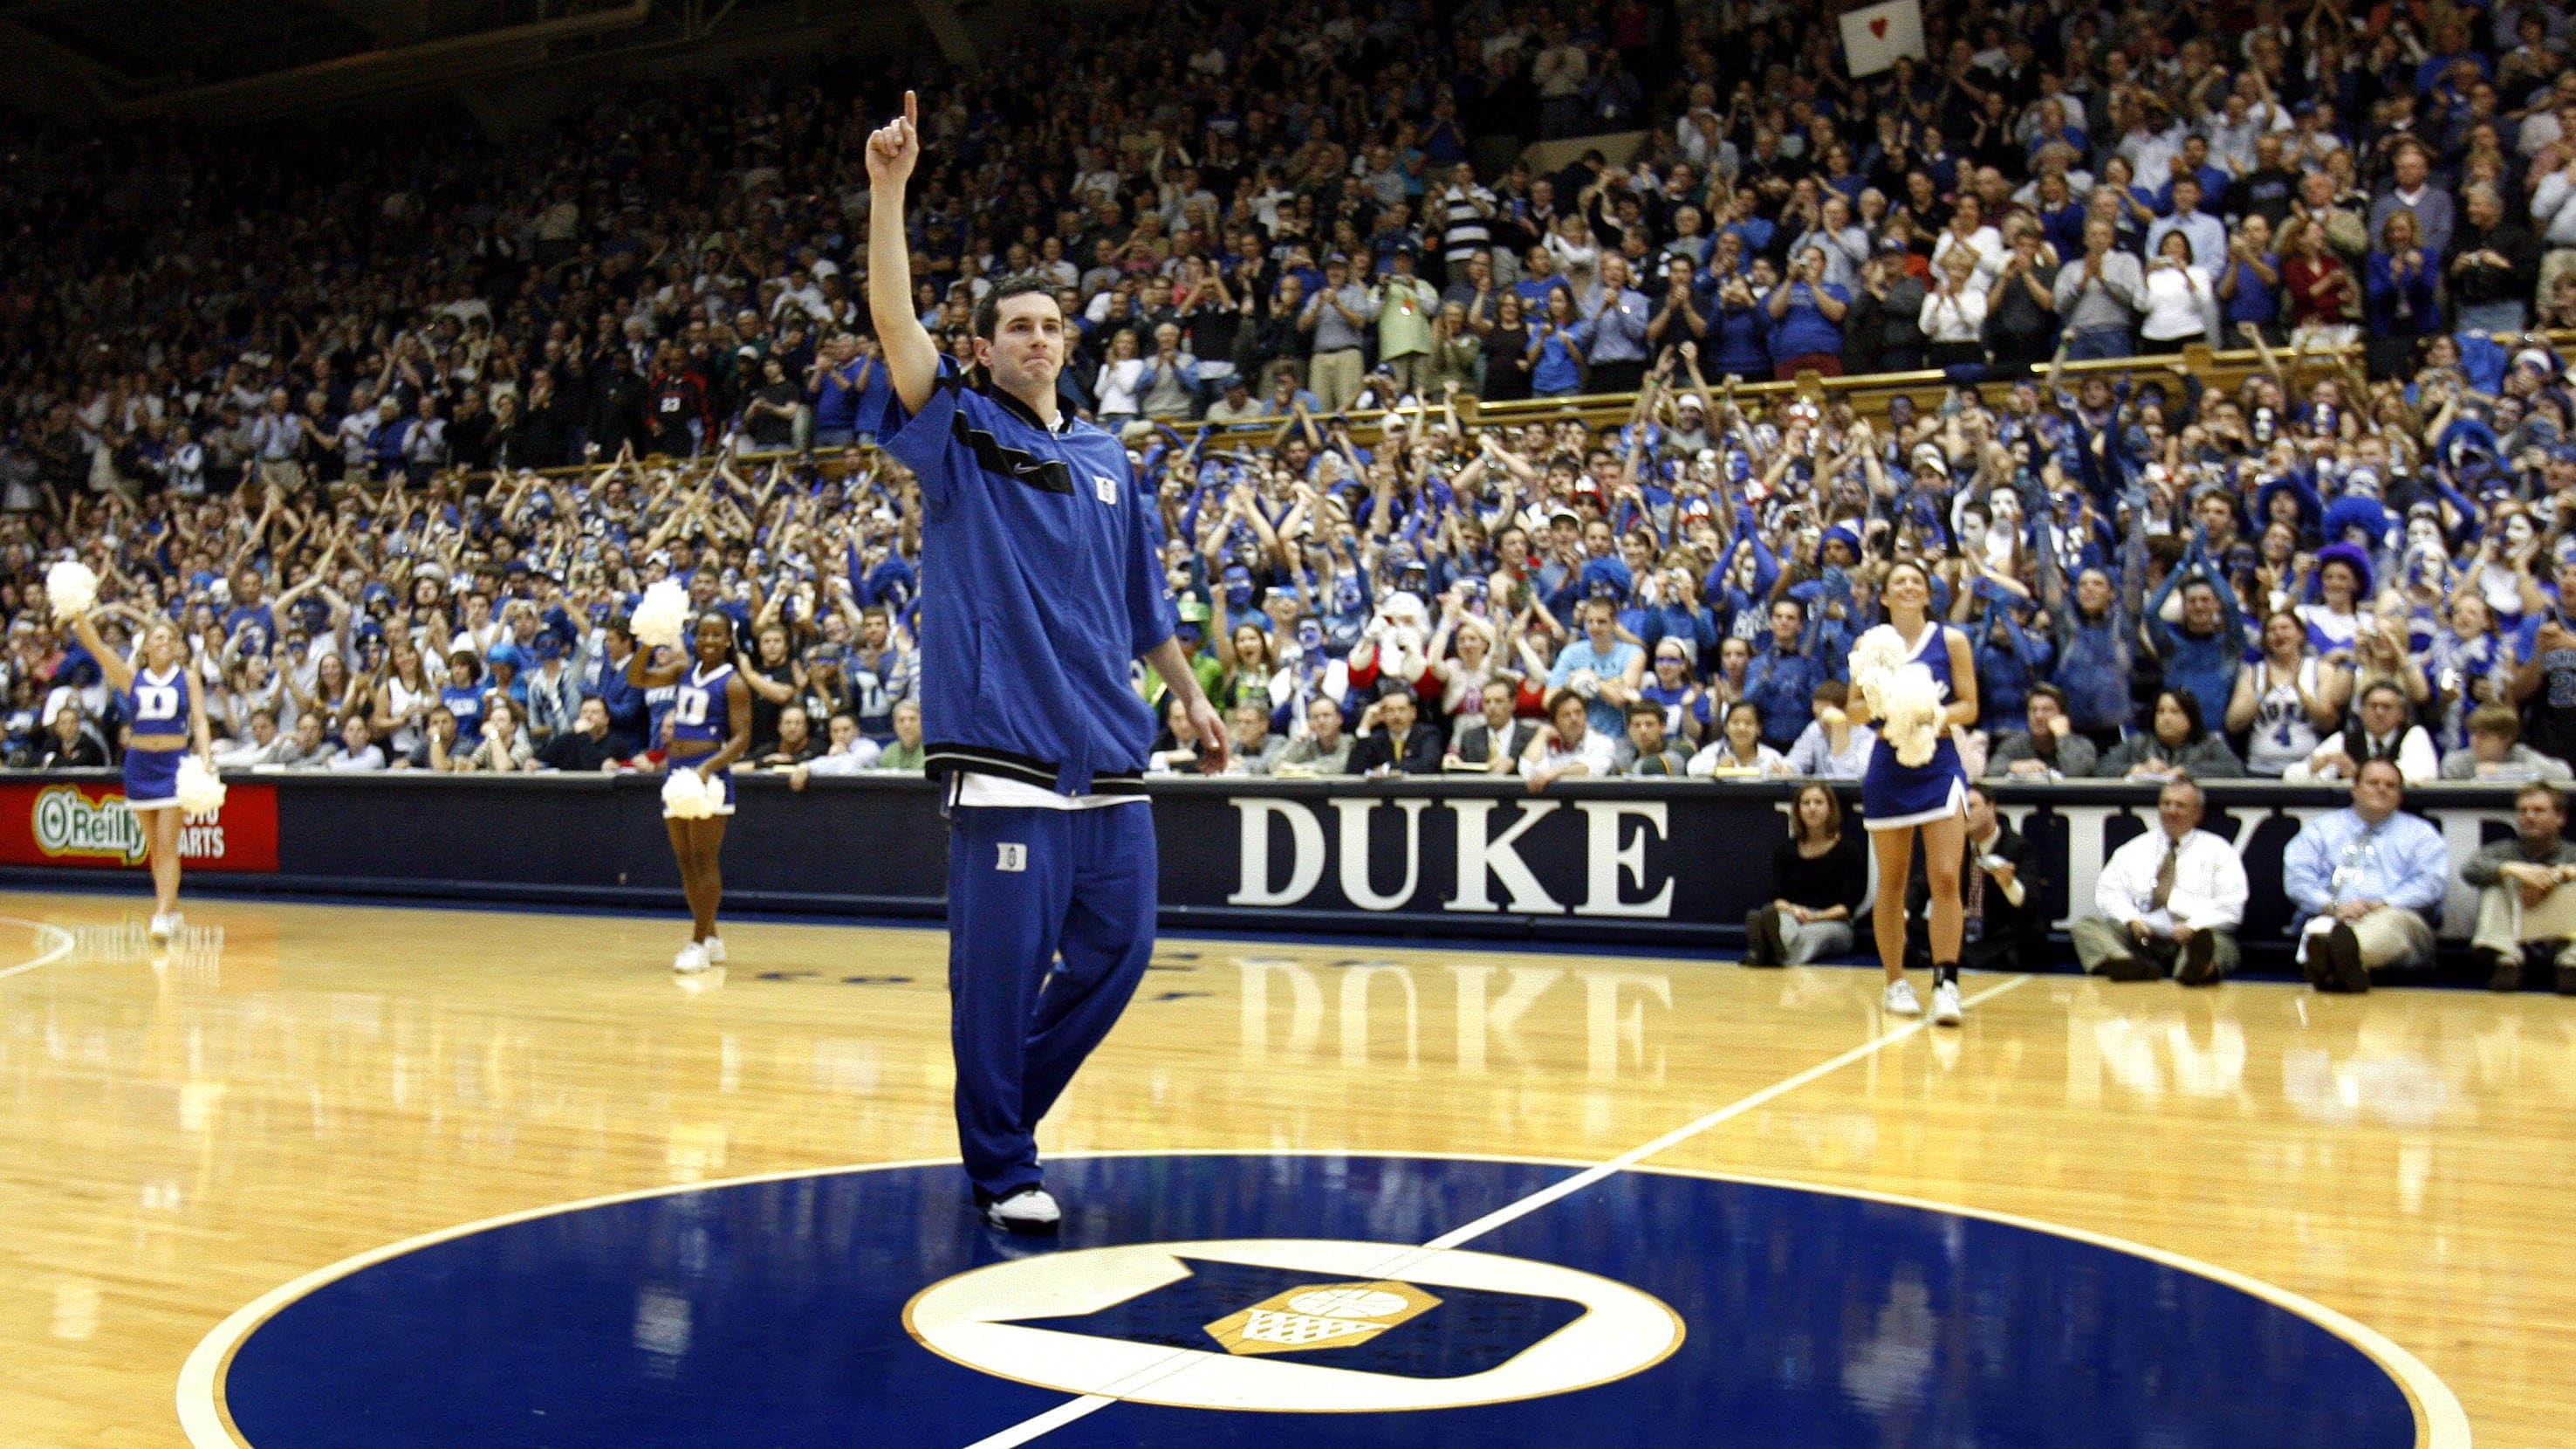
<point x="710" y="729"/>
<point x="164" y="713"/>
<point x="1899" y="801"/>
<point x="1041" y="585"/>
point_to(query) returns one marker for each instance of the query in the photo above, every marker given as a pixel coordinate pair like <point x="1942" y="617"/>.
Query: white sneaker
<point x="1900" y="999"/>
<point x="714" y="947"/>
<point x="691" y="961"/>
<point x="1030" y="1210"/>
<point x="1945" y="1004"/>
<point x="165" y="926"/>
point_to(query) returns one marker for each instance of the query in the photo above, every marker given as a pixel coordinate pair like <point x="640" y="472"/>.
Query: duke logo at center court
<point x="1294" y="1325"/>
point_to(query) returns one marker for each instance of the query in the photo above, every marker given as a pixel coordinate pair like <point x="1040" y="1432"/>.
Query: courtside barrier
<point x="1675" y="863"/>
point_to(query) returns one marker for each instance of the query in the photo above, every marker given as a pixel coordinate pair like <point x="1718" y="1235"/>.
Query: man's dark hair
<point x="988" y="312"/>
<point x="2557" y="802"/>
<point x="1647" y="707"/>
<point x="2378" y="685"/>
<point x="2048" y="692"/>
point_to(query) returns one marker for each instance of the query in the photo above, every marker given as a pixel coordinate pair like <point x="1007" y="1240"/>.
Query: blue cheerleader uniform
<point x="156" y="705"/>
<point x="1894" y="796"/>
<point x="702" y="712"/>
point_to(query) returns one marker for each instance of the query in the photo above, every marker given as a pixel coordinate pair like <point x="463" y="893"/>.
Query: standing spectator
<point x="1407" y="307"/>
<point x="2170" y="900"/>
<point x="1555" y="352"/>
<point x="2099" y="296"/>
<point x="1954" y="314"/>
<point x="1613" y="336"/>
<point x="2021" y="308"/>
<point x="1782" y="678"/>
<point x="1806" y="320"/>
<point x="2181" y="304"/>
<point x="2495" y="268"/>
<point x="1336" y="321"/>
<point x="2400" y="277"/>
<point x="2412" y="190"/>
<point x="1883" y="331"/>
<point x="2362" y="879"/>
<point x="2324" y="298"/>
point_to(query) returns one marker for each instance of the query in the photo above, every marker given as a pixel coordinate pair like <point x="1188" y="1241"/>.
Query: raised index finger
<point x="911" y="110"/>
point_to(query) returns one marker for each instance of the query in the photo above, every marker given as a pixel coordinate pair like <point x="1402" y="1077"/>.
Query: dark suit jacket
<point x="2014" y="938"/>
<point x="1419" y="756"/>
<point x="1476" y="744"/>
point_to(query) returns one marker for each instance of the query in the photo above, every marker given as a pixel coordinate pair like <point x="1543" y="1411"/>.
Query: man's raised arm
<point x="912" y="361"/>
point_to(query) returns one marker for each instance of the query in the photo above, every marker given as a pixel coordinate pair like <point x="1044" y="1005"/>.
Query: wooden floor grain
<point x="295" y="1084"/>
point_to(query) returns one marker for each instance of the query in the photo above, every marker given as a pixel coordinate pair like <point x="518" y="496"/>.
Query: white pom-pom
<point x="1909" y="706"/>
<point x="660" y="616"/>
<point x="71" y="586"/>
<point x="1903" y="695"/>
<point x="686" y="794"/>
<point x="200" y="791"/>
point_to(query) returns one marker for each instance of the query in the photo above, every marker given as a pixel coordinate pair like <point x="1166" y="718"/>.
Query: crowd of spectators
<point x="294" y="394"/>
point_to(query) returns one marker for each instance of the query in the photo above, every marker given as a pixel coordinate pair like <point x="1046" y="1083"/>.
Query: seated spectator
<point x="358" y="752"/>
<point x="504" y="747"/>
<point x="2178" y="743"/>
<point x="849" y="753"/>
<point x="72" y="745"/>
<point x="1738" y="752"/>
<point x="1654" y="755"/>
<point x="1831" y="747"/>
<point x="903" y="757"/>
<point x="2496" y="754"/>
<point x="261" y="747"/>
<point x="2167" y="902"/>
<point x="436" y="751"/>
<point x="1818" y="877"/>
<point x="795" y="743"/>
<point x="1323" y="749"/>
<point x="1256" y="749"/>
<point x="2047" y="747"/>
<point x="2363" y="878"/>
<point x="2524" y="899"/>
<point x="2381" y="733"/>
<point x="2007" y="927"/>
<point x="1394" y="738"/>
<point x="1491" y="742"/>
<point x="1567" y="747"/>
<point x="309" y="746"/>
<point x="585" y="748"/>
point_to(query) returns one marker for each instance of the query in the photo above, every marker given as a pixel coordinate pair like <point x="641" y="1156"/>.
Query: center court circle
<point x="1133" y="1323"/>
<point x="1240" y="1298"/>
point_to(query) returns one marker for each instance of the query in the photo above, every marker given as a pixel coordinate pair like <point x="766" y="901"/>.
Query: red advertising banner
<point x="88" y="825"/>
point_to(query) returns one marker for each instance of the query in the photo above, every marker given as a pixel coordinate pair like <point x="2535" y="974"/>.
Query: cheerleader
<point x="710" y="729"/>
<point x="1900" y="801"/>
<point x="164" y="712"/>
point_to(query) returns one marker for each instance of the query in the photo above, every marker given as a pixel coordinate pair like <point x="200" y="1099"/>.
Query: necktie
<point x="1976" y="905"/>
<point x="2165" y="876"/>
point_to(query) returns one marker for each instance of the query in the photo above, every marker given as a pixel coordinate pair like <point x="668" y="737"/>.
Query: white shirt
<point x="2180" y="303"/>
<point x="2209" y="884"/>
<point x="1598" y="755"/>
<point x="2417" y="760"/>
<point x="993" y="791"/>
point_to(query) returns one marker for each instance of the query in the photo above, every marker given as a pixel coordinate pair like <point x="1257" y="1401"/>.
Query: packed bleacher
<point x="400" y="431"/>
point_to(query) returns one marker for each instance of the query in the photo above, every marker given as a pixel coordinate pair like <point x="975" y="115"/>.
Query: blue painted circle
<point x="770" y="1314"/>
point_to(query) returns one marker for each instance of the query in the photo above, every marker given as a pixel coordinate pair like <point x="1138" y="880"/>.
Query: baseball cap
<point x="1193" y="611"/>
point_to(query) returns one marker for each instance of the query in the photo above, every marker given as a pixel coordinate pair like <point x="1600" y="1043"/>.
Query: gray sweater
<point x="2076" y="756"/>
<point x="2481" y="870"/>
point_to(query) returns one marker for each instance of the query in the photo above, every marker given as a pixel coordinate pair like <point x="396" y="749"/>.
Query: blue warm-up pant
<point x="1020" y="1020"/>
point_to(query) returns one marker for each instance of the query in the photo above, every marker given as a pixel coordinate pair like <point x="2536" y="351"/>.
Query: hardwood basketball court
<point x="297" y="1085"/>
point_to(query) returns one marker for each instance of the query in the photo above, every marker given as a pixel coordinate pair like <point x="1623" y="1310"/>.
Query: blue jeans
<point x="2098" y="344"/>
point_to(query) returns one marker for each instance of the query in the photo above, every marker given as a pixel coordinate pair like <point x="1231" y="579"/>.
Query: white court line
<point x="62" y="946"/>
<point x="1073" y="1409"/>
